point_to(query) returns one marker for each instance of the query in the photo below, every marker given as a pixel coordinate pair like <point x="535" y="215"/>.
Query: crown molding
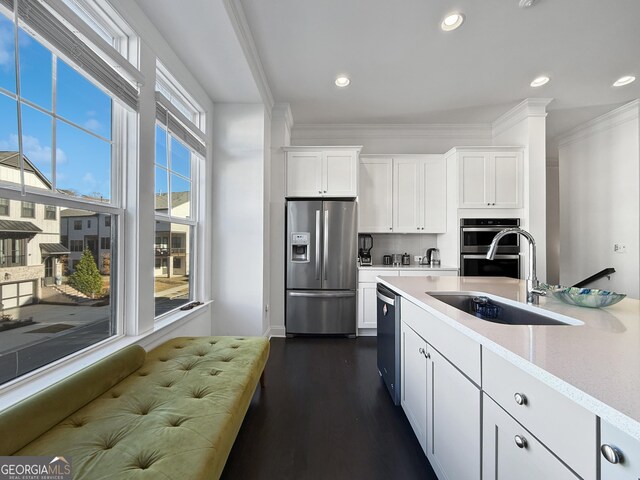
<point x="245" y="37"/>
<point x="283" y="111"/>
<point x="625" y="113"/>
<point x="529" y="107"/>
<point x="360" y="131"/>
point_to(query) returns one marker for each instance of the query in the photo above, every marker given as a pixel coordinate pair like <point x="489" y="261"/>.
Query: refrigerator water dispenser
<point x="300" y="247"/>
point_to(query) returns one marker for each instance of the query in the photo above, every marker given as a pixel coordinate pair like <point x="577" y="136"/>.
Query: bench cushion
<point x="176" y="417"/>
<point x="32" y="417"/>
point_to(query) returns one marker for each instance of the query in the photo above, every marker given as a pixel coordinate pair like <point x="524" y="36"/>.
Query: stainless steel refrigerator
<point x="321" y="267"/>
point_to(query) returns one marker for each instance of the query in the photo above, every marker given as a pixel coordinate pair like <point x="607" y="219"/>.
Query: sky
<point x="83" y="161"/>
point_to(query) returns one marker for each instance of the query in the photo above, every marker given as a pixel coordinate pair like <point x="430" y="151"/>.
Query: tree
<point x="86" y="277"/>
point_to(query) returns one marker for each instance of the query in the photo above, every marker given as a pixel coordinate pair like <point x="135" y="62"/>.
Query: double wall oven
<point x="476" y="235"/>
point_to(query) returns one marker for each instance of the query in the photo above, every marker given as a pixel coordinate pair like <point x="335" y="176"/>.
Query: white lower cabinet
<point x="453" y="421"/>
<point x="367" y="305"/>
<point x="413" y="374"/>
<point x="510" y="451"/>
<point x="619" y="454"/>
<point x="441" y="404"/>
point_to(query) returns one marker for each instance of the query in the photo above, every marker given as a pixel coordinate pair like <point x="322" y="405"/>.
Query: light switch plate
<point x="619" y="248"/>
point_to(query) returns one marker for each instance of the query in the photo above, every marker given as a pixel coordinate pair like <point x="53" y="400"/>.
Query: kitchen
<point x="433" y="133"/>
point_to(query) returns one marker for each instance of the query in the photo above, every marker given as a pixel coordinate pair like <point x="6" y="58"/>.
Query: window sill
<point x="31" y="383"/>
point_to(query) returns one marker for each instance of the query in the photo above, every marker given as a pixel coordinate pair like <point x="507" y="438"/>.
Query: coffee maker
<point x="365" y="244"/>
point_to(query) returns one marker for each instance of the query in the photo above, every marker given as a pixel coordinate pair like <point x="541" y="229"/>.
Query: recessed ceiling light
<point x="626" y="80"/>
<point x="538" y="82"/>
<point x="452" y="21"/>
<point x="342" y="81"/>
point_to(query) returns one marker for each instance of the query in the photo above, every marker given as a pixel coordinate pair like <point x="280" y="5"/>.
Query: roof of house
<point x="76" y="212"/>
<point x="17" y="229"/>
<point x="177" y="199"/>
<point x="11" y="159"/>
<point x="53" y="249"/>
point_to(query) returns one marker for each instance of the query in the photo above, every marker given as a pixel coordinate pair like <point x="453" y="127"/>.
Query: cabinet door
<point x="340" y="174"/>
<point x="304" y="174"/>
<point x="453" y="421"/>
<point x="434" y="195"/>
<point x="628" y="451"/>
<point x="375" y="195"/>
<point x="406" y="195"/>
<point x="473" y="180"/>
<point x="504" y="459"/>
<point x="506" y="180"/>
<point x="413" y="371"/>
<point x="367" y="304"/>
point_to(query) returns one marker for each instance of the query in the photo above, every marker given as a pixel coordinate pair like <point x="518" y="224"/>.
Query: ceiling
<point x="404" y="69"/>
<point x="201" y="34"/>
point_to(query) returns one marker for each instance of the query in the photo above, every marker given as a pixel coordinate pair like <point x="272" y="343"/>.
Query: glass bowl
<point x="584" y="297"/>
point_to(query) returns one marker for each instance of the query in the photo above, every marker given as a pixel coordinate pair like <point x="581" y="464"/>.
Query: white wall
<point x="281" y="122"/>
<point x="553" y="222"/>
<point x="600" y="200"/>
<point x="525" y="125"/>
<point x="238" y="218"/>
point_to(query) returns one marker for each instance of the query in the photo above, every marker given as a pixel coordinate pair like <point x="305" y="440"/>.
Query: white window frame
<point x="178" y="96"/>
<point x="120" y="139"/>
<point x="193" y="222"/>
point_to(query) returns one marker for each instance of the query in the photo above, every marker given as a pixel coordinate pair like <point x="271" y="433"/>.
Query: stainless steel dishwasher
<point x="388" y="323"/>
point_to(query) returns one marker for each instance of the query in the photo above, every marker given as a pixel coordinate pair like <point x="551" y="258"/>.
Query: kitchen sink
<point x="500" y="310"/>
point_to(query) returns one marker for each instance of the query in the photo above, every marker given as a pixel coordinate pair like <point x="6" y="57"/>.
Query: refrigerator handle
<point x="317" y="244"/>
<point x="325" y="252"/>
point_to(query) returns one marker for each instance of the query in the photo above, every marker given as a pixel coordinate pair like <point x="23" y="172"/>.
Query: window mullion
<point x="54" y="123"/>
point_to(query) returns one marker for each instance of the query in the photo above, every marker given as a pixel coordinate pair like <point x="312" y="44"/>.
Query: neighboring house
<point x="30" y="248"/>
<point x="82" y="229"/>
<point x="171" y="243"/>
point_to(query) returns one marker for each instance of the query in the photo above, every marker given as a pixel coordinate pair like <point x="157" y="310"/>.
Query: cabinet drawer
<point x="459" y="349"/>
<point x="628" y="450"/>
<point x="511" y="452"/>
<point x="370" y="275"/>
<point x="566" y="428"/>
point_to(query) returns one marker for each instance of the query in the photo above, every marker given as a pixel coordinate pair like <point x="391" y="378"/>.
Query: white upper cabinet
<point x="402" y="194"/>
<point x="406" y="195"/>
<point x="322" y="171"/>
<point x="375" y="194"/>
<point x="490" y="178"/>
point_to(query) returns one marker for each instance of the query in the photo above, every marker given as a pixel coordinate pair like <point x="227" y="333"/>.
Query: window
<point x="76" y="245"/>
<point x="12" y="252"/>
<point x="28" y="210"/>
<point x="50" y="212"/>
<point x="107" y="221"/>
<point x="178" y="158"/>
<point x="4" y="207"/>
<point x="60" y="103"/>
<point x="105" y="243"/>
<point x="89" y="223"/>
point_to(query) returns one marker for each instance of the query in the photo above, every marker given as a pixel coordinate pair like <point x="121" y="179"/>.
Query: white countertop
<point x="596" y="364"/>
<point x="408" y="267"/>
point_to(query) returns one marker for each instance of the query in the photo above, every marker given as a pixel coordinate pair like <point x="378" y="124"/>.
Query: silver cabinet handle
<point x="521" y="398"/>
<point x="319" y="191"/>
<point x="521" y="442"/>
<point x="390" y="228"/>
<point x="325" y="191"/>
<point x="612" y="454"/>
<point x="424" y="353"/>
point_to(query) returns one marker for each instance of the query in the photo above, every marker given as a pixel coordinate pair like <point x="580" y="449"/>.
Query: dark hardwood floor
<point x="325" y="414"/>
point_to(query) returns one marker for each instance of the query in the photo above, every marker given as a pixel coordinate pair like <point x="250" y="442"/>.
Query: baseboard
<point x="367" y="332"/>
<point x="275" y="331"/>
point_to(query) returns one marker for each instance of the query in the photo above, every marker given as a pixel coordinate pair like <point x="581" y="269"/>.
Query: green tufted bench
<point x="171" y="413"/>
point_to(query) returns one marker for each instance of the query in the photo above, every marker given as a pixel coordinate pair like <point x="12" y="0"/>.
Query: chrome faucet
<point x="533" y="290"/>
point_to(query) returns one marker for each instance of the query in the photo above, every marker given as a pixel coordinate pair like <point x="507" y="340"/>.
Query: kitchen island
<point x="593" y="368"/>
